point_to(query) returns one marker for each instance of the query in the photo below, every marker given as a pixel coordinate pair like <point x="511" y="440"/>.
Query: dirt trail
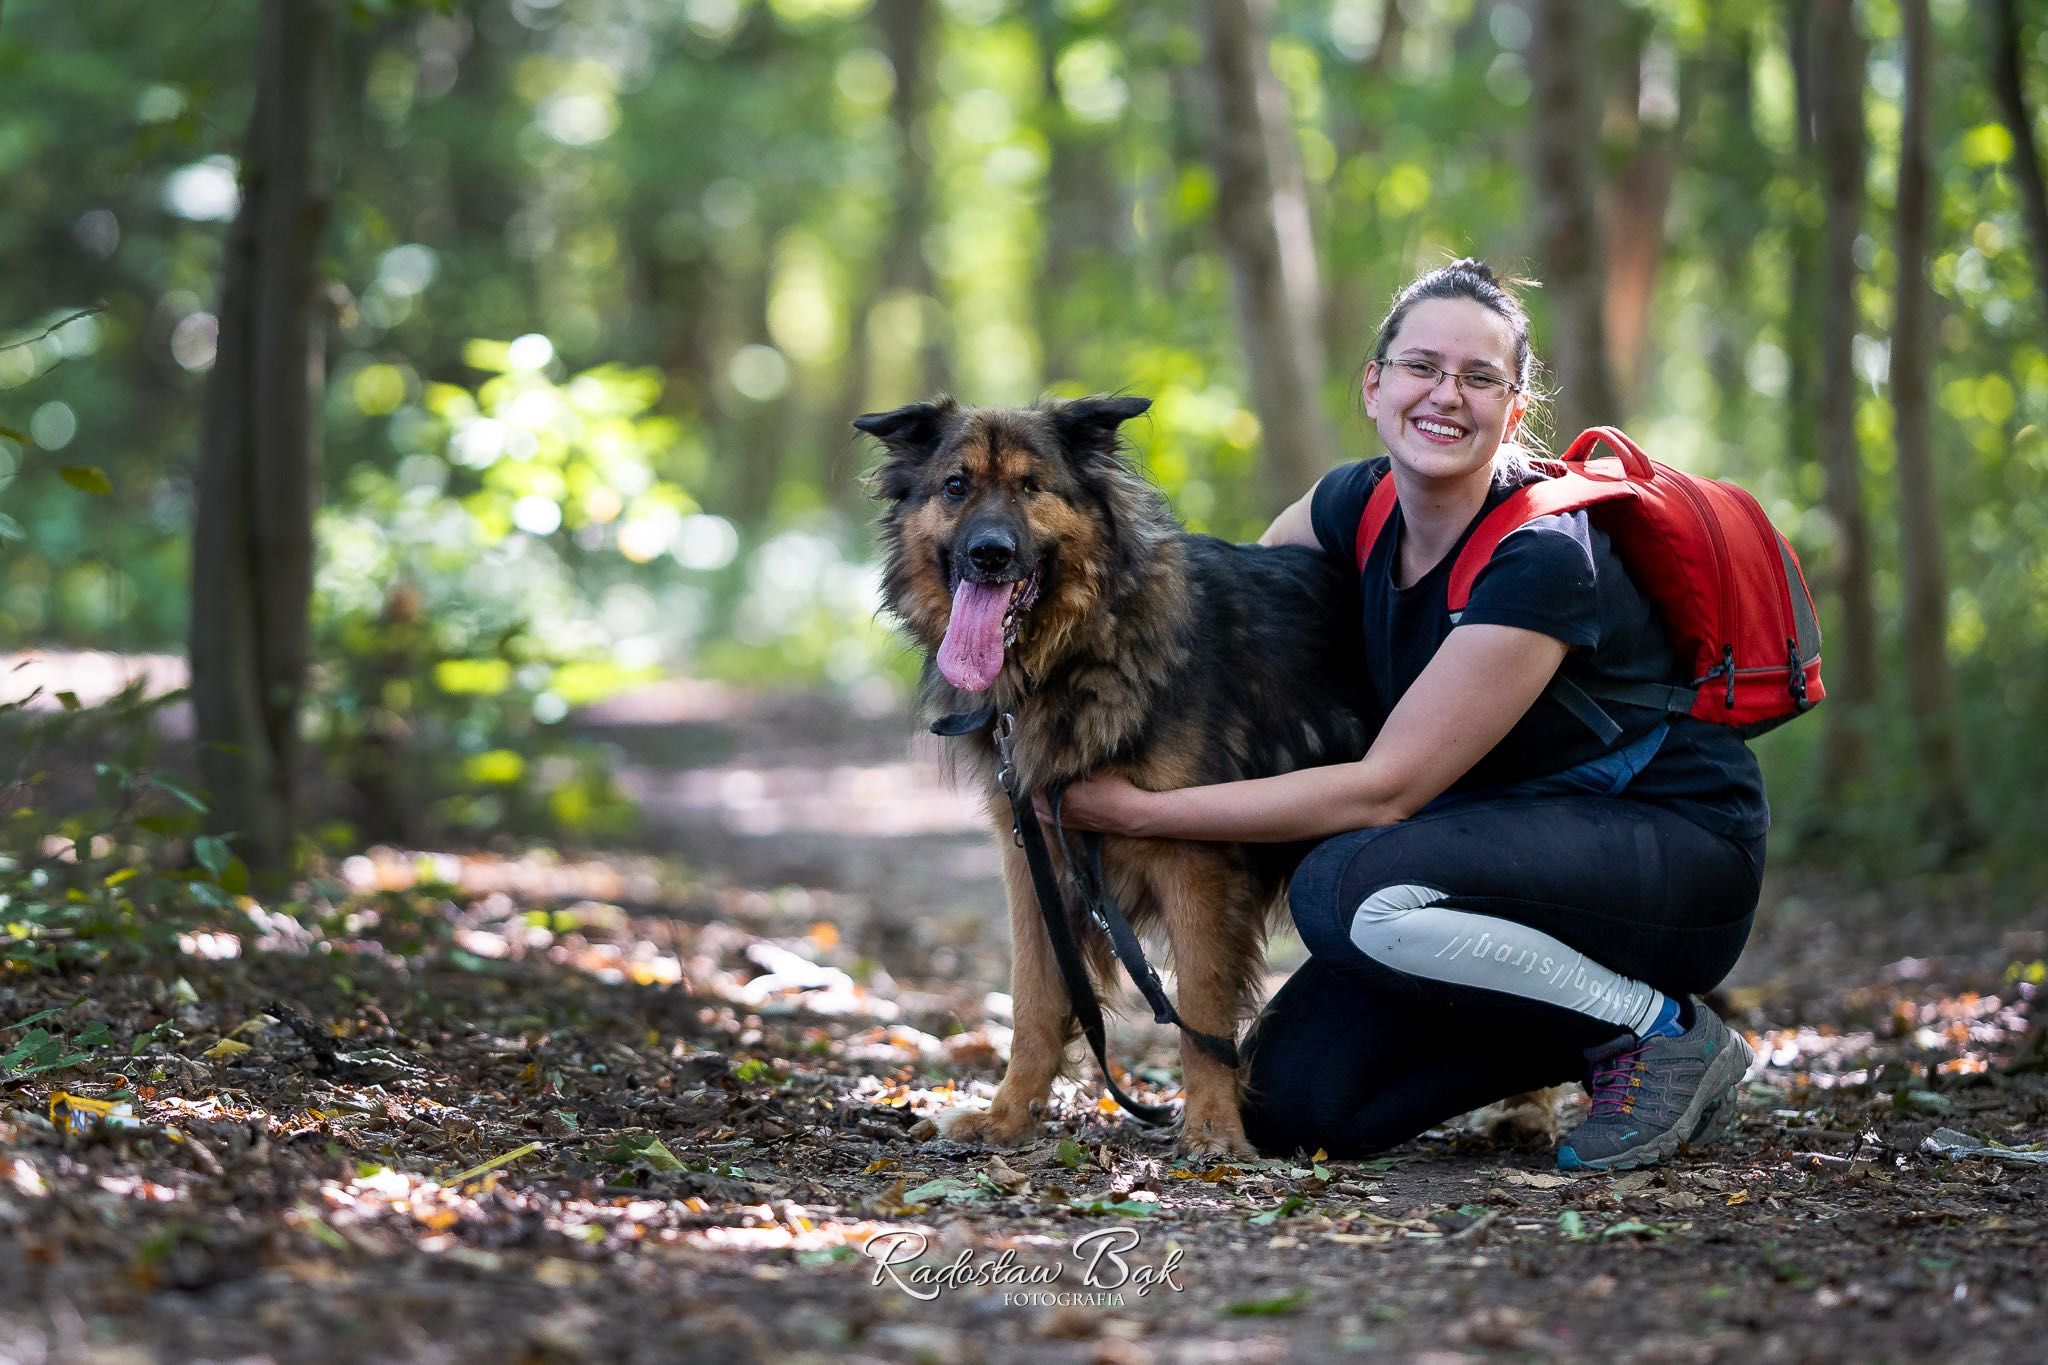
<point x="698" y="1073"/>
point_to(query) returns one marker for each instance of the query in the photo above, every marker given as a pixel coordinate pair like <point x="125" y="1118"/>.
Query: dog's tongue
<point x="972" y="653"/>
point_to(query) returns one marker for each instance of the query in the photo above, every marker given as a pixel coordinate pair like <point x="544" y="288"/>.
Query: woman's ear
<point x="1369" y="388"/>
<point x="1517" y="410"/>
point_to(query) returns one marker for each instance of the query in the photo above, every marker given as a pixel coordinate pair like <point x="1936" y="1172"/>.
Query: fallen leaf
<point x="896" y="1201"/>
<point x="226" y="1047"/>
<point x="1212" y="1175"/>
<point x="1286" y="1206"/>
<point x="506" y="1159"/>
<point x="1130" y="1208"/>
<point x="945" y="1187"/>
<point x="1008" y="1180"/>
<point x="1268" y="1308"/>
<point x="1632" y="1183"/>
<point x="438" y="1220"/>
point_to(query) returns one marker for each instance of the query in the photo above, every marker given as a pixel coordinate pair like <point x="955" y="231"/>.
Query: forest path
<point x="657" y="1105"/>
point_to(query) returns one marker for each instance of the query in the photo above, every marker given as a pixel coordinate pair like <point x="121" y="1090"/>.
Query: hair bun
<point x="1474" y="266"/>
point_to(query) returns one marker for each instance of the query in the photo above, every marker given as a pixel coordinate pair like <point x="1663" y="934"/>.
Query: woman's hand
<point x="1107" y="804"/>
<point x="1481" y="681"/>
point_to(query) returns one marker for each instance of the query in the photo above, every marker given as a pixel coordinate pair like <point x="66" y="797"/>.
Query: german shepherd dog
<point x="1044" y="575"/>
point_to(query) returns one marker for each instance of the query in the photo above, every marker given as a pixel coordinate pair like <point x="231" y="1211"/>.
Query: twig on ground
<point x="327" y="1061"/>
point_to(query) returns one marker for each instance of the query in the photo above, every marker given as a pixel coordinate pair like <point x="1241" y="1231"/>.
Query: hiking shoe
<point x="1651" y="1095"/>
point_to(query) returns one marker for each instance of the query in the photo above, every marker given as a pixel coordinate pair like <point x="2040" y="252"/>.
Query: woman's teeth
<point x="1440" y="429"/>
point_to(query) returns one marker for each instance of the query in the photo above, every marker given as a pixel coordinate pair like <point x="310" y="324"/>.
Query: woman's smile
<point x="1439" y="430"/>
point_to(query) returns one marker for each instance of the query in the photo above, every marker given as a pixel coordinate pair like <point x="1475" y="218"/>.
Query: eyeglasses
<point x="1478" y="387"/>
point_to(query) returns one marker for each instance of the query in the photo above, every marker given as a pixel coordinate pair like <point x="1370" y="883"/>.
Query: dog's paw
<point x="1214" y="1140"/>
<point x="988" y="1126"/>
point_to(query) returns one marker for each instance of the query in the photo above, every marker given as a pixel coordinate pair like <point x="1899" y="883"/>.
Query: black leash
<point x="1123" y="940"/>
<point x="1093" y="887"/>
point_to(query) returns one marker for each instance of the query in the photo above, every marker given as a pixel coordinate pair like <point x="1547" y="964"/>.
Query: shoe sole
<point x="1709" y="1118"/>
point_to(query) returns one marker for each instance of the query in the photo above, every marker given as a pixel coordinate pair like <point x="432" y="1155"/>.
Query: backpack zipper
<point x="1727" y="595"/>
<point x="1795" y="666"/>
<point x="1769" y="533"/>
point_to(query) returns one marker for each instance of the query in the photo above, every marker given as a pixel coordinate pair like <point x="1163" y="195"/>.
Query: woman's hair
<point x="1471" y="278"/>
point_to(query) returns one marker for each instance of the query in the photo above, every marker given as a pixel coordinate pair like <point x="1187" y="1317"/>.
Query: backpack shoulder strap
<point x="1379" y="507"/>
<point x="1566" y="492"/>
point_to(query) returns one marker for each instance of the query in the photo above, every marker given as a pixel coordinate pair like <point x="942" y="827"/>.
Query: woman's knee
<point x="1292" y="1100"/>
<point x="1319" y="894"/>
<point x="1350" y="927"/>
<point x="1314" y="1118"/>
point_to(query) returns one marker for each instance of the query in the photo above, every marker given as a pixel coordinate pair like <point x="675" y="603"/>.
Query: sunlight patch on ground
<point x="1967" y="1026"/>
<point x="92" y="676"/>
<point x="889" y="799"/>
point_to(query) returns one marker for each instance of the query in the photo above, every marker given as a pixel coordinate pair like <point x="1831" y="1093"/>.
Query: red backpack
<point x="1728" y="586"/>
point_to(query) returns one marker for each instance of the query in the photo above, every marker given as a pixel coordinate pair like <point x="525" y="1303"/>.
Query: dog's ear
<point x="911" y="432"/>
<point x="911" y="435"/>
<point x="1088" y="425"/>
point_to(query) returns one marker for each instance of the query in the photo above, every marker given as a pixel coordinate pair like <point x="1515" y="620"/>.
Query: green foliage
<point x="38" y="1049"/>
<point x="698" y="227"/>
<point x="498" y="576"/>
<point x="99" y="865"/>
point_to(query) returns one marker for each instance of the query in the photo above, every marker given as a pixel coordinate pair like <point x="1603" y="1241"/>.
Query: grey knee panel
<point x="1409" y="928"/>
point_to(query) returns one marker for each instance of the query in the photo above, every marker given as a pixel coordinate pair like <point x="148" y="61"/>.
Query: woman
<point x="1502" y="900"/>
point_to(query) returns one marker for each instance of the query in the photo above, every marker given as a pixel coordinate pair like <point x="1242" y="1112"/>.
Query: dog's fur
<point x="1173" y="659"/>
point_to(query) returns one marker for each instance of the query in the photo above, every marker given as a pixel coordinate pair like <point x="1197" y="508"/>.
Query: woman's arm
<point x="1480" y="682"/>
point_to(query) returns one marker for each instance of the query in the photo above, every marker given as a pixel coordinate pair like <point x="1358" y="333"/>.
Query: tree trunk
<point x="1084" y="209"/>
<point x="906" y="27"/>
<point x="1837" y="62"/>
<point x="1944" y="798"/>
<point x="2002" y="17"/>
<point x="1262" y="215"/>
<point x="1564" y="174"/>
<point x="1386" y="54"/>
<point x="1637" y="200"/>
<point x="1736" y="208"/>
<point x="1801" y="325"/>
<point x="252" y="539"/>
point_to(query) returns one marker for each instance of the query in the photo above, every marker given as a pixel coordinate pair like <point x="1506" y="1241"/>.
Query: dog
<point x="1046" y="579"/>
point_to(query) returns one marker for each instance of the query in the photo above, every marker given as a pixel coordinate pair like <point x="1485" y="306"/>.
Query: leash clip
<point x="1005" y="736"/>
<point x="1006" y="742"/>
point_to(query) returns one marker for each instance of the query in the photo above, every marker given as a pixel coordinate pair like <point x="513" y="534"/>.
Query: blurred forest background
<point x="558" y="311"/>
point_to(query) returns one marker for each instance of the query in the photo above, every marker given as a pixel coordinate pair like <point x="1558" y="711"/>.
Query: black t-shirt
<point x="1560" y="576"/>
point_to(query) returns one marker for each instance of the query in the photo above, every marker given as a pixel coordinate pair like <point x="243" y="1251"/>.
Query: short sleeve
<point x="1542" y="577"/>
<point x="1339" y="502"/>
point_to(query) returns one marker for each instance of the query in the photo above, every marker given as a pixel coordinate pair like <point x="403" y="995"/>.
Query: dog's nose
<point x="991" y="552"/>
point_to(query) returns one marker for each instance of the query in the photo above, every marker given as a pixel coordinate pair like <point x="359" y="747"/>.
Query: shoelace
<point x="1611" y="1085"/>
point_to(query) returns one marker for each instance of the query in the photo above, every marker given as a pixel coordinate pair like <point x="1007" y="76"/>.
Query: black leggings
<point x="1355" y="1054"/>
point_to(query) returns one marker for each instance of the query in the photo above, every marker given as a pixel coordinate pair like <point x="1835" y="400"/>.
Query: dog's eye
<point x="956" y="485"/>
